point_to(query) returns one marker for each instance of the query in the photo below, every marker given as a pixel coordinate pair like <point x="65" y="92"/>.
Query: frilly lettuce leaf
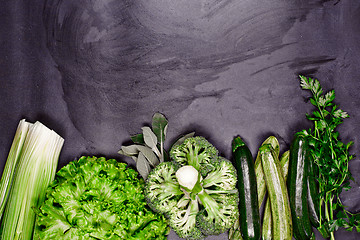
<point x="96" y="198"/>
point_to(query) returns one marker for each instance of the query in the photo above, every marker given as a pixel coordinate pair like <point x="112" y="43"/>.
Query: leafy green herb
<point x="159" y="126"/>
<point x="148" y="148"/>
<point x="332" y="157"/>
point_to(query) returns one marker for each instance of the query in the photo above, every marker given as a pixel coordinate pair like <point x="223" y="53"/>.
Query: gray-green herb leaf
<point x="142" y="165"/>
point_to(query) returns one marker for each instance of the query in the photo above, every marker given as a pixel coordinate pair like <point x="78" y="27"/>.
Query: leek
<point x="34" y="171"/>
<point x="11" y="162"/>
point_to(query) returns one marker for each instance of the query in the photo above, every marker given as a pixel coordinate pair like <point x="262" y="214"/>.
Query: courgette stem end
<point x="237" y="142"/>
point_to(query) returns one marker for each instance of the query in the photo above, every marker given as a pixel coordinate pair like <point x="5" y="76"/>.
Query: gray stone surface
<point x="96" y="71"/>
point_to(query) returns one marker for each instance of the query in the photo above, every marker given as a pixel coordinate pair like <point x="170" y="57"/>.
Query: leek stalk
<point x="35" y="169"/>
<point x="13" y="157"/>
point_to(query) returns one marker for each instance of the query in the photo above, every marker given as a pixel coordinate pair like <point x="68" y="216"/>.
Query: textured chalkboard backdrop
<point x="96" y="71"/>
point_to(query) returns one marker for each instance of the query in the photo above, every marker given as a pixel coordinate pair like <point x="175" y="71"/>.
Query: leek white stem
<point x="34" y="172"/>
<point x="12" y="160"/>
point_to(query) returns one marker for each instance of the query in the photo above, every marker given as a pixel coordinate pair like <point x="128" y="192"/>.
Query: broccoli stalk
<point x="202" y="199"/>
<point x="183" y="219"/>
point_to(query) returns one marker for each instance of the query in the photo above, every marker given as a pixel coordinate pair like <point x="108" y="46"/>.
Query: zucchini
<point x="249" y="219"/>
<point x="260" y="179"/>
<point x="234" y="232"/>
<point x="278" y="195"/>
<point x="297" y="186"/>
<point x="313" y="194"/>
<point x="267" y="221"/>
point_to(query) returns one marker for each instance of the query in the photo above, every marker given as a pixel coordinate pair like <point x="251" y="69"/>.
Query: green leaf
<point x="341" y="214"/>
<point x="340" y="114"/>
<point x="129" y="150"/>
<point x="313" y="102"/>
<point x="321" y="124"/>
<point x="159" y="126"/>
<point x="322" y="101"/>
<point x="182" y="139"/>
<point x="149" y="137"/>
<point x="304" y="83"/>
<point x="329" y="96"/>
<point x="148" y="154"/>
<point x="134" y="150"/>
<point x="349" y="144"/>
<point x="316" y="114"/>
<point x="138" y="138"/>
<point x="316" y="88"/>
<point x="143" y="166"/>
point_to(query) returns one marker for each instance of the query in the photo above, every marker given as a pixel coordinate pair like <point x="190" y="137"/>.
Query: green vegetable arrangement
<point x="96" y="198"/>
<point x="191" y="188"/>
<point x="196" y="191"/>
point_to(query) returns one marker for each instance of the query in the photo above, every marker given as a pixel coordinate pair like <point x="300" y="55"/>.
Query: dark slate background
<point x="96" y="71"/>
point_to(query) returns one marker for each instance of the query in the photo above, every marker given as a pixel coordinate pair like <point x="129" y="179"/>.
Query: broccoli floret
<point x="196" y="191"/>
<point x="224" y="178"/>
<point x="162" y="190"/>
<point x="219" y="213"/>
<point x="197" y="152"/>
<point x="183" y="219"/>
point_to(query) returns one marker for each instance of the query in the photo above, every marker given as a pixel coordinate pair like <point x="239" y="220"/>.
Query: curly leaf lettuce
<point x="96" y="198"/>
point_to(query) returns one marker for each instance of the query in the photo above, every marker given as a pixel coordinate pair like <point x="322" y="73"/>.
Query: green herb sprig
<point x="332" y="158"/>
<point x="148" y="148"/>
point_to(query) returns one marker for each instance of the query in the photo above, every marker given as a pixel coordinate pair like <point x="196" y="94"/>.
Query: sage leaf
<point x="138" y="138"/>
<point x="143" y="166"/>
<point x="149" y="137"/>
<point x="183" y="138"/>
<point x="159" y="126"/>
<point x="148" y="154"/>
<point x="129" y="150"/>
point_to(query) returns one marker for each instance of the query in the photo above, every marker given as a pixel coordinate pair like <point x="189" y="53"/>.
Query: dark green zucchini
<point x="249" y="219"/>
<point x="297" y="187"/>
<point x="313" y="194"/>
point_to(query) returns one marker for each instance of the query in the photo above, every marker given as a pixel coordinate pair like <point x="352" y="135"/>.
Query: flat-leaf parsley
<point x="332" y="158"/>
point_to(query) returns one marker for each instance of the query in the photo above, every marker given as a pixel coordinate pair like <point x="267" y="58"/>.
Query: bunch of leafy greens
<point x="332" y="157"/>
<point x="95" y="198"/>
<point x="148" y="148"/>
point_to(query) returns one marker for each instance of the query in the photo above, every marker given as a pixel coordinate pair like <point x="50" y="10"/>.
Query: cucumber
<point x="297" y="186"/>
<point x="260" y="179"/>
<point x="278" y="195"/>
<point x="267" y="221"/>
<point x="249" y="219"/>
<point x="313" y="194"/>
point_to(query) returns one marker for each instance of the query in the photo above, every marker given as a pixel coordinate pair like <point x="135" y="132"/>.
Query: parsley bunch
<point x="332" y="158"/>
